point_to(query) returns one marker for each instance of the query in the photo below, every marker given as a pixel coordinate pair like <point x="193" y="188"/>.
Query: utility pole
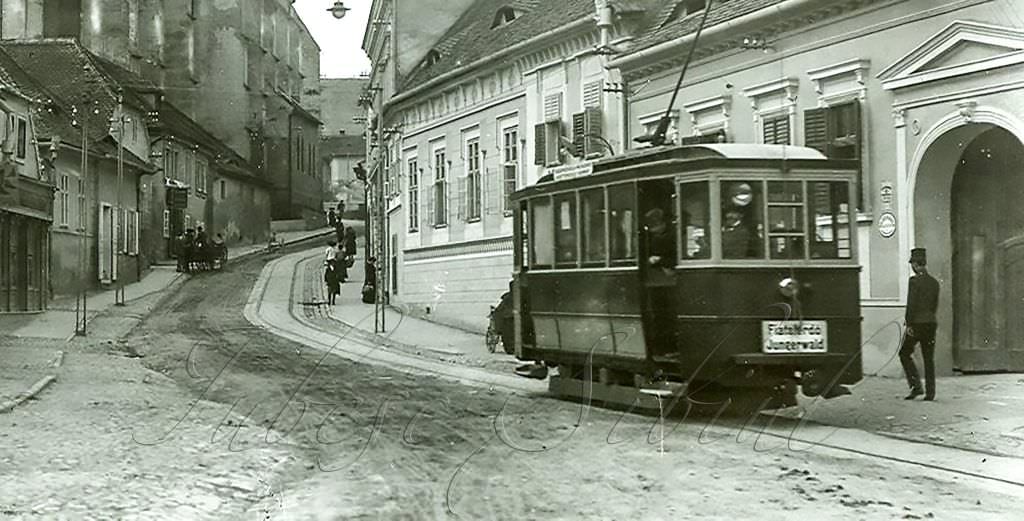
<point x="81" y="302"/>
<point x="121" y="214"/>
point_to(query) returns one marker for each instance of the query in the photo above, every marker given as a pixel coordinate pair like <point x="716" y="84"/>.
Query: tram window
<point x="594" y="247"/>
<point x="542" y="254"/>
<point x="830" y="207"/>
<point x="565" y="230"/>
<point x="742" y="229"/>
<point x="621" y="233"/>
<point x="786" y="227"/>
<point x="695" y="218"/>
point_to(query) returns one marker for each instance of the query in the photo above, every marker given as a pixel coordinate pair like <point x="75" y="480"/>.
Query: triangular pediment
<point x="960" y="48"/>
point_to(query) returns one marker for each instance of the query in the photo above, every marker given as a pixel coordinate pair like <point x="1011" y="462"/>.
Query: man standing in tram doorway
<point x="922" y="301"/>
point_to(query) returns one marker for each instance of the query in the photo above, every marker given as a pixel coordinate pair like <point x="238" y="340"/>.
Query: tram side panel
<point x="584" y="317"/>
<point x="721" y="313"/>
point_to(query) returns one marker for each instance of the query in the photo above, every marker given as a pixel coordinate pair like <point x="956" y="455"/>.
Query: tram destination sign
<point x="583" y="168"/>
<point x="794" y="336"/>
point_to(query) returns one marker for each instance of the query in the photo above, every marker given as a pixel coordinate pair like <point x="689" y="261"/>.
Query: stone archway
<point x="965" y="214"/>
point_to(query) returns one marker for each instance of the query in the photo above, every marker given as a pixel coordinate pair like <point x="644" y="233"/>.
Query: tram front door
<point x="657" y="260"/>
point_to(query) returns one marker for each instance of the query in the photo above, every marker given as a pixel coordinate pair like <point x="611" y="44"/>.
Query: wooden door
<point x="1011" y="257"/>
<point x="105" y="243"/>
<point x="987" y="219"/>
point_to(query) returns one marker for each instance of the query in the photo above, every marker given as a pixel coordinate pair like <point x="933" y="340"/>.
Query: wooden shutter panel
<point x="493" y="178"/>
<point x="594" y="128"/>
<point x="429" y="214"/>
<point x="539" y="144"/>
<point x="579" y="132"/>
<point x="461" y="202"/>
<point x="816" y="129"/>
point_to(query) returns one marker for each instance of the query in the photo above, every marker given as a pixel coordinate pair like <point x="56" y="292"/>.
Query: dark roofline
<point x="453" y="73"/>
<point x="299" y="108"/>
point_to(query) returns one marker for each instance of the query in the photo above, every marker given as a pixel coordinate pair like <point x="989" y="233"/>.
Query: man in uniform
<point x="922" y="301"/>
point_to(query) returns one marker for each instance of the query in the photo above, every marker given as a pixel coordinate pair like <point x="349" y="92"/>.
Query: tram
<point x="690" y="271"/>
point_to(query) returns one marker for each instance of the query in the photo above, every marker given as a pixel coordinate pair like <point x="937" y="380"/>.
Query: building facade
<point x="925" y="94"/>
<point x="238" y="68"/>
<point x="96" y="209"/>
<point x="506" y="93"/>
<point x="25" y="201"/>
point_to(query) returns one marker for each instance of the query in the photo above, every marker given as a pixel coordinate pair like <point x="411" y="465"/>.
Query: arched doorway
<point x="987" y="240"/>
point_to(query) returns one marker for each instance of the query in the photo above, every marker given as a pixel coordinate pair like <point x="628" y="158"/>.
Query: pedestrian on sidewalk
<point x="331" y="253"/>
<point x="333" y="283"/>
<point x="922" y="301"/>
<point x="339" y="231"/>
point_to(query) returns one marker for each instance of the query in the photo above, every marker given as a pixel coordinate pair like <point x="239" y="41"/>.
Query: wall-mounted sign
<point x="885" y="194"/>
<point x="887" y="224"/>
<point x="580" y="169"/>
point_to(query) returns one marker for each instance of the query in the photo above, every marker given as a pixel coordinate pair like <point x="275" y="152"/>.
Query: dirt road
<point x="269" y="429"/>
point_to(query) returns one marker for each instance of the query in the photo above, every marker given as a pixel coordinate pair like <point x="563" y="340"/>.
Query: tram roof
<point x="668" y="159"/>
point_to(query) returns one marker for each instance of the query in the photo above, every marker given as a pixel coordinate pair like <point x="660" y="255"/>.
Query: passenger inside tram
<point x="741" y="221"/>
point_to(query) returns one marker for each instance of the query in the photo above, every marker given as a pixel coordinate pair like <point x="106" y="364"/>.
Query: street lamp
<point x="338" y="10"/>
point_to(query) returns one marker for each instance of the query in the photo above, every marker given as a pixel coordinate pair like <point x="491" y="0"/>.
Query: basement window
<point x="503" y="17"/>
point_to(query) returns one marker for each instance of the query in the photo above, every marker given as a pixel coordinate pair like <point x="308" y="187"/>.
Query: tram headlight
<point x="789" y="287"/>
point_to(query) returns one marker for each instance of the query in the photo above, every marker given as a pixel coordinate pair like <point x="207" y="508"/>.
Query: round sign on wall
<point x="887" y="224"/>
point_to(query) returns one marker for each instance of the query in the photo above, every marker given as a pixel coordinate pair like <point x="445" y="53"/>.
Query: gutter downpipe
<point x="780" y="9"/>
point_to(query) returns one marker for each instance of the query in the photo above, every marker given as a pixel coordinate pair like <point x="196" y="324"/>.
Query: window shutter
<point x="579" y="132"/>
<point x="461" y="203"/>
<point x="553" y="107"/>
<point x="592" y="94"/>
<point x="539" y="144"/>
<point x="594" y="128"/>
<point x="492" y="183"/>
<point x="816" y="129"/>
<point x="429" y="200"/>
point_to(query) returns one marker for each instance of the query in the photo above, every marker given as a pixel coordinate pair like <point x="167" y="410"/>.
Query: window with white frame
<point x="650" y="122"/>
<point x="201" y="177"/>
<point x="413" y="172"/>
<point x="474" y="188"/>
<point x="122" y="230"/>
<point x="440" y="191"/>
<point x="548" y="135"/>
<point x="774" y="106"/>
<point x="64" y="199"/>
<point x="133" y="232"/>
<point x="22" y="139"/>
<point x="709" y="119"/>
<point x="510" y="164"/>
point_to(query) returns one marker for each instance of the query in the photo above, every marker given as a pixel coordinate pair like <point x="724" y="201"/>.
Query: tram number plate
<point x="794" y="336"/>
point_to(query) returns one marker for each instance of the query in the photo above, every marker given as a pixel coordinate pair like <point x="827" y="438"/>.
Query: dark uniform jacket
<point x="922" y="299"/>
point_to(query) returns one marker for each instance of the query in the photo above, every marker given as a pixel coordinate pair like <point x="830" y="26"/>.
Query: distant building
<point x="342" y="141"/>
<point x="25" y="195"/>
<point x="95" y="237"/>
<point x="339" y="157"/>
<point x="239" y="68"/>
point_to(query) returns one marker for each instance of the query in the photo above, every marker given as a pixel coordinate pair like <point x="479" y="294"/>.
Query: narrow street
<point x="197" y="414"/>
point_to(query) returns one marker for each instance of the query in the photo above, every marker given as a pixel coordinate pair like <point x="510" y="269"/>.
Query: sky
<point x="341" y="53"/>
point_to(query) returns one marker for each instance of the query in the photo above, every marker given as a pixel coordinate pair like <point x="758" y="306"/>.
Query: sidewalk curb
<point x="36" y="388"/>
